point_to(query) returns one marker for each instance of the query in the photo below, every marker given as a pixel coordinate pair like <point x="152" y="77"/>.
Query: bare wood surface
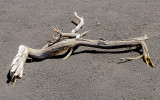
<point x="66" y="41"/>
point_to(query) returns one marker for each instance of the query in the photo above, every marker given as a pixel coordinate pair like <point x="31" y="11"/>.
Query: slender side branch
<point x="81" y="20"/>
<point x="146" y="54"/>
<point x="132" y="58"/>
<point x="69" y="54"/>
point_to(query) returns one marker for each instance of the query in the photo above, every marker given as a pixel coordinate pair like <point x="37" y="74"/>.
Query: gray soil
<point x="89" y="74"/>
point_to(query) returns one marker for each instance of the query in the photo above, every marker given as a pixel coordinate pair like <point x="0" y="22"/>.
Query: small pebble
<point x="98" y="23"/>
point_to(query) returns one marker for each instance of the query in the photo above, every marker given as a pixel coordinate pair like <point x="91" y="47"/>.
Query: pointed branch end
<point x="149" y="62"/>
<point x="78" y="17"/>
<point x="145" y="37"/>
<point x="69" y="54"/>
<point x="84" y="33"/>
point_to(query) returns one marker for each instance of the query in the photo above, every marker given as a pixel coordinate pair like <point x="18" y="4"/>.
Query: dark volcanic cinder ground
<point x="87" y="74"/>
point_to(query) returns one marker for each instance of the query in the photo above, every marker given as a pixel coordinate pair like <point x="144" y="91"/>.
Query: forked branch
<point x="66" y="41"/>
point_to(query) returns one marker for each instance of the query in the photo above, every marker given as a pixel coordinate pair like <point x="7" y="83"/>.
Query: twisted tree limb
<point x="66" y="41"/>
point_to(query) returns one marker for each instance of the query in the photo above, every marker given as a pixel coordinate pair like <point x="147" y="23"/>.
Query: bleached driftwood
<point x="66" y="41"/>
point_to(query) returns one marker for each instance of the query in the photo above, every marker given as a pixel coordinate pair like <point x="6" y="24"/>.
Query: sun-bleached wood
<point x="66" y="41"/>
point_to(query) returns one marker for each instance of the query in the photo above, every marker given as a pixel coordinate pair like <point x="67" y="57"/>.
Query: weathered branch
<point x="66" y="41"/>
<point x="19" y="61"/>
